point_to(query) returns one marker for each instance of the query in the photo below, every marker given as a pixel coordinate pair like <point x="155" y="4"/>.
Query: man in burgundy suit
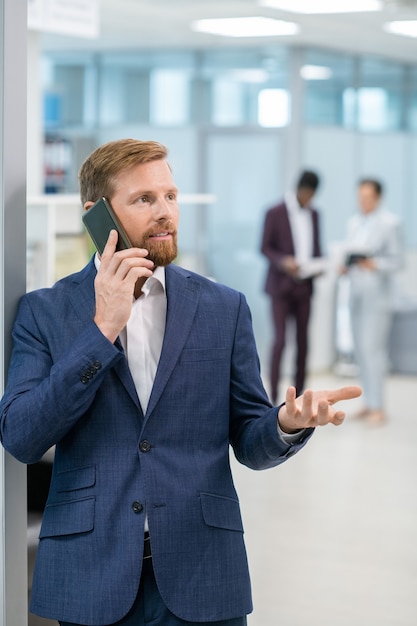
<point x="290" y="240"/>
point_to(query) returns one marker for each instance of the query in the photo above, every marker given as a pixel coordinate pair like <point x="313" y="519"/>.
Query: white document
<point x="313" y="267"/>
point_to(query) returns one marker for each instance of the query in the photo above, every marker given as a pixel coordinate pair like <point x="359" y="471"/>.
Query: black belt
<point x="147" y="554"/>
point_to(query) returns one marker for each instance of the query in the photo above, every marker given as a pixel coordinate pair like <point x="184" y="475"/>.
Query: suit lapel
<point x="122" y="370"/>
<point x="287" y="226"/>
<point x="83" y="302"/>
<point x="183" y="293"/>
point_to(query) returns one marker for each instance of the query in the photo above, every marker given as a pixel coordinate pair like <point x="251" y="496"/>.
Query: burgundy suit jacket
<point x="277" y="242"/>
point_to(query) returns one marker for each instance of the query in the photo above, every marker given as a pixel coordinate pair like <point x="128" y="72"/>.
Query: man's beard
<point x="162" y="253"/>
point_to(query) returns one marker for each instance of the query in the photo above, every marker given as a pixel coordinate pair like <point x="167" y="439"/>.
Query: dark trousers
<point x="149" y="609"/>
<point x="296" y="305"/>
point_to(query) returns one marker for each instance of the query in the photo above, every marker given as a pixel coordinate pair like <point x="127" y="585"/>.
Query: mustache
<point x="160" y="228"/>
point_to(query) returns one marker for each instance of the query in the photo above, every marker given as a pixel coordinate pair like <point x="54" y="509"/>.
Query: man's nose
<point x="162" y="209"/>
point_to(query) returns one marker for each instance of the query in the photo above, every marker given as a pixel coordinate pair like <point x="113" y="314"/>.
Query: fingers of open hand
<point x="315" y="408"/>
<point x="318" y="411"/>
<point x="338" y="418"/>
<point x="349" y="392"/>
<point x="315" y="412"/>
<point x="290" y="400"/>
<point x="344" y="393"/>
<point x="307" y="406"/>
<point x="324" y="413"/>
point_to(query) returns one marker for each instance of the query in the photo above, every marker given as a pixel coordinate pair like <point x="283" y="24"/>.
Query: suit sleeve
<point x="390" y="256"/>
<point x="253" y="421"/>
<point x="269" y="241"/>
<point x="45" y="398"/>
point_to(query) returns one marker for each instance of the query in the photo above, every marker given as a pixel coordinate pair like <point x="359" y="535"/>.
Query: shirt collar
<point x="158" y="276"/>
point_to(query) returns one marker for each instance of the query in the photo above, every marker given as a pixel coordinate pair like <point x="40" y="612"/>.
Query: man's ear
<point x="87" y="205"/>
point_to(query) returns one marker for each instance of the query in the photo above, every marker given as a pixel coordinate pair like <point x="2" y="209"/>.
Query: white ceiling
<point x="143" y="24"/>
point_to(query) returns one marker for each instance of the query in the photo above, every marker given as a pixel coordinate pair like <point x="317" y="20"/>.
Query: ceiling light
<point x="249" y="75"/>
<point x="323" y="6"/>
<point x="315" y="72"/>
<point x="408" y="28"/>
<point x="245" y="27"/>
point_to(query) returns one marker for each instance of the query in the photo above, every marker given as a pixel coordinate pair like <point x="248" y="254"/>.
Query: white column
<point x="294" y="137"/>
<point x="13" y="523"/>
<point x="34" y="116"/>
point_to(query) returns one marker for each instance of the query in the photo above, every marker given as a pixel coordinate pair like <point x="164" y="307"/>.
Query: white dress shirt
<point x="143" y="336"/>
<point x="301" y="224"/>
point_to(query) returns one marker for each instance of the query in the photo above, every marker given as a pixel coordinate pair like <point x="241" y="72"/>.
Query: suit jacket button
<point x="137" y="507"/>
<point x="84" y="379"/>
<point x="144" y="446"/>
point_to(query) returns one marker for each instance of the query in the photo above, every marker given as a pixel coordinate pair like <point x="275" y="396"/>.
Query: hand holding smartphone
<point x="99" y="220"/>
<point x="354" y="259"/>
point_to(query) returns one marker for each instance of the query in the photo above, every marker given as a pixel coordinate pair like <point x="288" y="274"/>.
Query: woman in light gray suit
<point x="373" y="254"/>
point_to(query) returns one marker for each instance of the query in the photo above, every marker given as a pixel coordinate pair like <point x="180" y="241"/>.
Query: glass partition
<point x="381" y="95"/>
<point x="412" y="99"/>
<point x="329" y="78"/>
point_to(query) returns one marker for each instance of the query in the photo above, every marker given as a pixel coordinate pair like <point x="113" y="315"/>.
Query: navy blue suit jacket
<point x="69" y="386"/>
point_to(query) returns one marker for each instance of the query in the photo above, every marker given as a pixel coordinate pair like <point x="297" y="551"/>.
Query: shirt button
<point x="137" y="507"/>
<point x="144" y="446"/>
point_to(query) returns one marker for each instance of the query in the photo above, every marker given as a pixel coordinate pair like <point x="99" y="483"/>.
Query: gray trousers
<point x="371" y="318"/>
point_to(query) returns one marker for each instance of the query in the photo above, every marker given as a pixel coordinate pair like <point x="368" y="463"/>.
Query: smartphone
<point x="352" y="259"/>
<point x="99" y="220"/>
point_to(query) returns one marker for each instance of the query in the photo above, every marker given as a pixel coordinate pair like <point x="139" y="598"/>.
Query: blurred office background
<point x="241" y="115"/>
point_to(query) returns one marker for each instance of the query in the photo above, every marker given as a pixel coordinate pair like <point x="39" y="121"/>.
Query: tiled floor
<point x="332" y="533"/>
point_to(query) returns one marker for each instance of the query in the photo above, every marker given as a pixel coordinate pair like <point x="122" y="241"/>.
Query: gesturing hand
<point x="314" y="408"/>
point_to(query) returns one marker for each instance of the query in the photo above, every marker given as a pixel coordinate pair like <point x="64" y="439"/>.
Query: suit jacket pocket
<point x="221" y="512"/>
<point x="76" y="478"/>
<point x="68" y="518"/>
<point x="199" y="354"/>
